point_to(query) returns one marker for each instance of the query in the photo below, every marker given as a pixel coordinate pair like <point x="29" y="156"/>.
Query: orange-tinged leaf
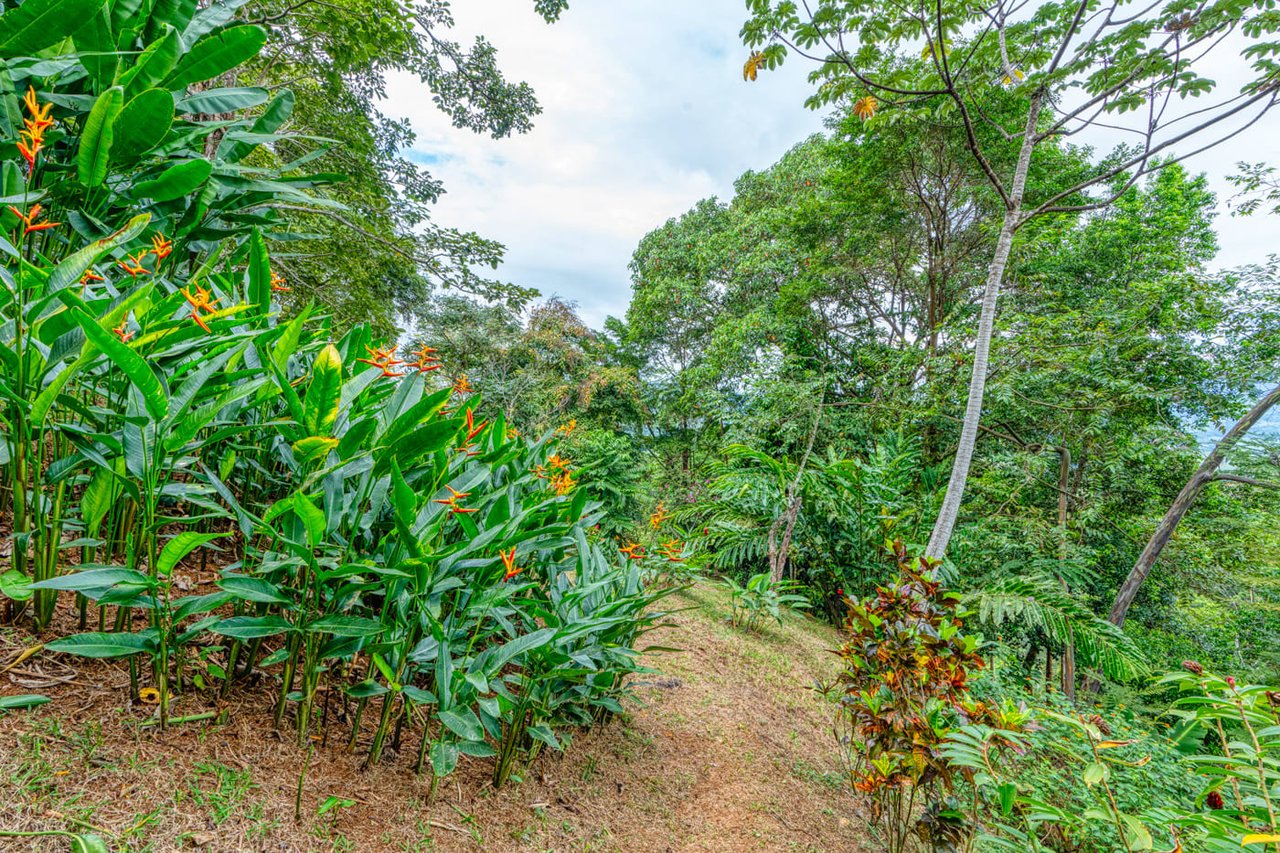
<point x="1259" y="838"/>
<point x="751" y="69"/>
<point x="865" y="108"/>
<point x="1112" y="744"/>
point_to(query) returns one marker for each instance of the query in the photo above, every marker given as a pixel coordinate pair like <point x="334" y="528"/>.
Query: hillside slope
<point x="730" y="750"/>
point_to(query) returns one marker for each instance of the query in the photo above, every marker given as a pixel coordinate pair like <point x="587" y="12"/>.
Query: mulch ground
<point x="727" y="749"/>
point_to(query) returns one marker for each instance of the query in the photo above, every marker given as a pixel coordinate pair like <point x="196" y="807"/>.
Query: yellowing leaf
<point x="1259" y="838"/>
<point x="149" y="695"/>
<point x="1112" y="744"/>
<point x="752" y="68"/>
<point x="865" y="108"/>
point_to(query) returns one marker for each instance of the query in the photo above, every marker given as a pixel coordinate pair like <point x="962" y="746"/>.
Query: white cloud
<point x="644" y="113"/>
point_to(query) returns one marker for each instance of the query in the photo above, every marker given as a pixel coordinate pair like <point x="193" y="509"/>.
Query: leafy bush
<point x="378" y="534"/>
<point x="759" y="598"/>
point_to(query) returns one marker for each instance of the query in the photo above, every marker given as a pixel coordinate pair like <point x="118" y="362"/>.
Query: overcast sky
<point x="644" y="113"/>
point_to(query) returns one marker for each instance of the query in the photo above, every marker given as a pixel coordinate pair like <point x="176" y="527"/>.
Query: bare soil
<point x="728" y="749"/>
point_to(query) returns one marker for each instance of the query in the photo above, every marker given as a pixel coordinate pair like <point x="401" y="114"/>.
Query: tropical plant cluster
<point x="216" y="491"/>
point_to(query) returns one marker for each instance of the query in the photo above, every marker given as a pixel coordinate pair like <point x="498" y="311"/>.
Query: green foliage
<point x="761" y="598"/>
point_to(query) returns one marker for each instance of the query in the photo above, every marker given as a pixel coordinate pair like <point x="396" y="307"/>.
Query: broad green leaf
<point x="311" y="516"/>
<point x="98" y="645"/>
<point x="175" y="182"/>
<point x="253" y="589"/>
<point x="312" y="448"/>
<point x="25" y="700"/>
<point x="463" y="722"/>
<point x="250" y="627"/>
<point x="346" y="626"/>
<point x="97" y="137"/>
<point x="129" y="362"/>
<point x="90" y="842"/>
<point x="271" y="120"/>
<point x="15" y="586"/>
<point x="320" y="406"/>
<point x="258" y="276"/>
<point x="70" y="270"/>
<point x="95" y="43"/>
<point x="174" y="13"/>
<point x="143" y="124"/>
<point x="88" y="580"/>
<point x="37" y="24"/>
<point x="444" y="758"/>
<point x="217" y="54"/>
<point x="179" y="547"/>
<point x="155" y="63"/>
<point x="213" y="101"/>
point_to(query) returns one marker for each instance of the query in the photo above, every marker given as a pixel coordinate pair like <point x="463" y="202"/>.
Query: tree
<point x="1073" y="65"/>
<point x="380" y="241"/>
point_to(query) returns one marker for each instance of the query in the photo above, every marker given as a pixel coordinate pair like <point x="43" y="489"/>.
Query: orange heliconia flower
<point x="509" y="564"/>
<point x="122" y="332"/>
<point x="659" y="516"/>
<point x="567" y="429"/>
<point x="89" y="277"/>
<point x="133" y="265"/>
<point x="555" y="460"/>
<point x="634" y="551"/>
<point x="279" y="284"/>
<point x="200" y="301"/>
<point x="161" y="247"/>
<point x="31" y="139"/>
<point x="29" y="220"/>
<point x="427" y="360"/>
<point x="512" y="432"/>
<point x="452" y="501"/>
<point x="563" y="483"/>
<point x="383" y="359"/>
<point x="673" y="550"/>
<point x="462" y="385"/>
<point x="540" y="472"/>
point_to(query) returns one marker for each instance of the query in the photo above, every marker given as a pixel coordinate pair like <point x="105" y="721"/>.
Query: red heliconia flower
<point x="452" y="502"/>
<point x="509" y="564"/>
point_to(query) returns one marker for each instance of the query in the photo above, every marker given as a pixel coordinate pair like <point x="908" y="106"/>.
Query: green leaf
<point x="89" y="843"/>
<point x="217" y="54"/>
<point x="259" y="275"/>
<point x="19" y="702"/>
<point x="444" y="758"/>
<point x="311" y="516"/>
<point x="180" y="546"/>
<point x="97" y="137"/>
<point x="346" y="626"/>
<point x="129" y="362"/>
<point x="155" y="63"/>
<point x="271" y="120"/>
<point x="463" y="722"/>
<point x="175" y="182"/>
<point x="309" y="449"/>
<point x="253" y="589"/>
<point x="91" y="580"/>
<point x="143" y="124"/>
<point x="174" y="13"/>
<point x="97" y="645"/>
<point x="15" y="586"/>
<point x="70" y="270"/>
<point x="37" y="24"/>
<point x="213" y="101"/>
<point x="250" y="627"/>
<point x="96" y="44"/>
<point x="320" y="407"/>
<point x="1094" y="773"/>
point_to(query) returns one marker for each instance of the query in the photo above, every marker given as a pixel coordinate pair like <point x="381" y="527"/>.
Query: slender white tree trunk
<point x="946" y="522"/>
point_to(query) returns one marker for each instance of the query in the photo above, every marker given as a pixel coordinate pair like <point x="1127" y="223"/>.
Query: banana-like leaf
<point x="217" y="54"/>
<point x="130" y="363"/>
<point x="272" y="119"/>
<point x="320" y="407"/>
<point x="155" y="63"/>
<point x="95" y="43"/>
<point x="179" y="547"/>
<point x="98" y="135"/>
<point x="214" y="101"/>
<point x="259" y="275"/>
<point x="143" y="124"/>
<point x="37" y="24"/>
<point x="175" y="182"/>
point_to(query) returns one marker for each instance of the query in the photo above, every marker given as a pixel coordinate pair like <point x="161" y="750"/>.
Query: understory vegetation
<point x="943" y="377"/>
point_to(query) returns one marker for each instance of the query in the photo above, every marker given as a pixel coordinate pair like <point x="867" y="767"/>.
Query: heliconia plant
<point x="378" y="540"/>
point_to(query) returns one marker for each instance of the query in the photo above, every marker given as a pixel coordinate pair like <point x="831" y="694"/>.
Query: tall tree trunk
<point x="946" y="522"/>
<point x="1202" y="477"/>
<point x="1069" y="652"/>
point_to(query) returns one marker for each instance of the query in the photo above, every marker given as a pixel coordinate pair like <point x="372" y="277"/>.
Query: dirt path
<point x="730" y="751"/>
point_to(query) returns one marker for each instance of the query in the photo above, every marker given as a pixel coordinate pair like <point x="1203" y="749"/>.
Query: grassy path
<point x="730" y="751"/>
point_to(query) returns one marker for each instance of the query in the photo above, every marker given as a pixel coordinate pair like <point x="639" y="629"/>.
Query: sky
<point x="644" y="113"/>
